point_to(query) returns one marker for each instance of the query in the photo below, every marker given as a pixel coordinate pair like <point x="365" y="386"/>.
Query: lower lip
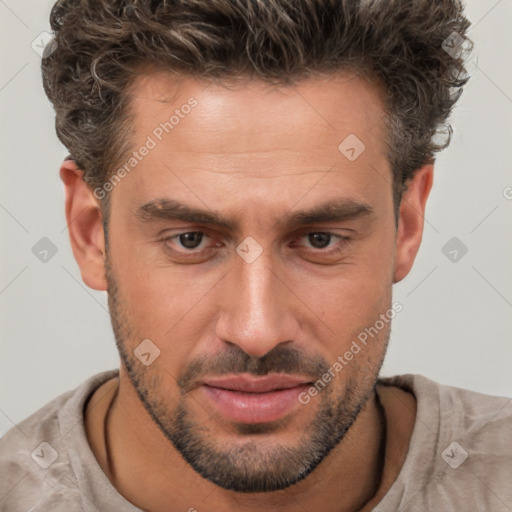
<point x="245" y="407"/>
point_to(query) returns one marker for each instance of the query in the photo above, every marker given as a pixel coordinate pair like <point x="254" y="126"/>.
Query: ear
<point x="84" y="220"/>
<point x="411" y="221"/>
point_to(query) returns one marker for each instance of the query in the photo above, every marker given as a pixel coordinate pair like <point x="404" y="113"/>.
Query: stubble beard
<point x="257" y="464"/>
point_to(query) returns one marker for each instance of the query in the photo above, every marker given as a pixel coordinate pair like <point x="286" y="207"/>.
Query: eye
<point x="194" y="244"/>
<point x="186" y="242"/>
<point x="190" y="240"/>
<point x="320" y="240"/>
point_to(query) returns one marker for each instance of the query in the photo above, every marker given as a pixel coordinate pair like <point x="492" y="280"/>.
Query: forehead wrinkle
<point x="245" y="174"/>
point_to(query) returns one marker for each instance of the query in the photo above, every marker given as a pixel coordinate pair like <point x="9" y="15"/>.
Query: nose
<point x="257" y="306"/>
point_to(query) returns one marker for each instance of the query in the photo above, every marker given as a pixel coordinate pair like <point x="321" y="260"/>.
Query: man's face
<point x="260" y="295"/>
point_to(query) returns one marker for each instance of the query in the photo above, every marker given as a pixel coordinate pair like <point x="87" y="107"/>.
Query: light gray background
<point x="456" y="324"/>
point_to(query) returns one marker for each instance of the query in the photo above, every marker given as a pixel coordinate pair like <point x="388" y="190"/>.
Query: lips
<point x="251" y="399"/>
<point x="256" y="384"/>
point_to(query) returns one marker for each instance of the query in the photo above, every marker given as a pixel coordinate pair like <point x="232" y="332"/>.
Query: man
<point x="247" y="180"/>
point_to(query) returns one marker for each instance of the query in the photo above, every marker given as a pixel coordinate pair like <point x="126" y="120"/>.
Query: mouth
<point x="251" y="400"/>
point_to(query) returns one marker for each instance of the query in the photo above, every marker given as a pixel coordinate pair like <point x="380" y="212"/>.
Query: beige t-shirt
<point x="459" y="459"/>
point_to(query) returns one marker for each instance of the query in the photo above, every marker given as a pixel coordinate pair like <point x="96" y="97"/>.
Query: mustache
<point x="281" y="359"/>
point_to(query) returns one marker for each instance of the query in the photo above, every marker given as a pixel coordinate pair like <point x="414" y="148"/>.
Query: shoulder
<point x="460" y="412"/>
<point x="461" y="448"/>
<point x="34" y="459"/>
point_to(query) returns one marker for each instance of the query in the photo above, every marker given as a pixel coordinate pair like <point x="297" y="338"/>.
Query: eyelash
<point x="190" y="254"/>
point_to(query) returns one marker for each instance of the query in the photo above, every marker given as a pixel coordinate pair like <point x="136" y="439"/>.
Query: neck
<point x="147" y="470"/>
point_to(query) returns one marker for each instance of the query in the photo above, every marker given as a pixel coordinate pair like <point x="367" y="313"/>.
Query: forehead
<point x="255" y="146"/>
<point x="253" y="116"/>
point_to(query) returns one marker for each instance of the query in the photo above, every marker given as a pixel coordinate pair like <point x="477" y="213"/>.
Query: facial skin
<point x="254" y="155"/>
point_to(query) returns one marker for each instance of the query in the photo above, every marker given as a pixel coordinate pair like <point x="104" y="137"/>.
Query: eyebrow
<point x="337" y="210"/>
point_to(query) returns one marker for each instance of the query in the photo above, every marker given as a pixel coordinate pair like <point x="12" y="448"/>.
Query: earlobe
<point x="84" y="221"/>
<point x="411" y="221"/>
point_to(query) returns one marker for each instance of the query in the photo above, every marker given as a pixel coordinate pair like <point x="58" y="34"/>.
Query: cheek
<point x="349" y="305"/>
<point x="356" y="292"/>
<point x="164" y="303"/>
<point x="347" y="312"/>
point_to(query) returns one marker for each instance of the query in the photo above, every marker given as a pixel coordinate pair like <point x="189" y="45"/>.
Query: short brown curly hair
<point x="103" y="44"/>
